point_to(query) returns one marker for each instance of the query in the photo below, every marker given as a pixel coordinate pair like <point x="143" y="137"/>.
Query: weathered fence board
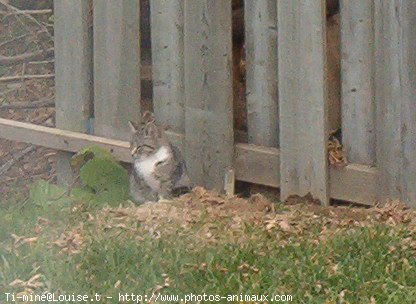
<point x="354" y="183"/>
<point x="116" y="66"/>
<point x="302" y="99"/>
<point x="358" y="108"/>
<point x="257" y="164"/>
<point x="388" y="96"/>
<point x="408" y="113"/>
<point x="168" y="62"/>
<point x="395" y="88"/>
<point x="73" y="72"/>
<point x="261" y="79"/>
<point x="208" y="96"/>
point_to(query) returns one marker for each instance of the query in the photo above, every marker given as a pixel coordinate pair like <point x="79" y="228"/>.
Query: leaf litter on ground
<point x="211" y="218"/>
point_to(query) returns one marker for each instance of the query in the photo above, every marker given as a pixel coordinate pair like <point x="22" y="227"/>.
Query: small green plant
<point x="102" y="174"/>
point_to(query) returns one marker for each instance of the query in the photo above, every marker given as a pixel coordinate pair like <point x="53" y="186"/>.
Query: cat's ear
<point x="147" y="117"/>
<point x="152" y="130"/>
<point x="133" y="126"/>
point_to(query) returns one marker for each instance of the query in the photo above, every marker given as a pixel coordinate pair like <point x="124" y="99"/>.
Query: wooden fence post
<point x="73" y="72"/>
<point x="357" y="67"/>
<point x="116" y="66"/>
<point x="302" y="99"/>
<point x="168" y="62"/>
<point x="208" y="91"/>
<point x="395" y="89"/>
<point x="261" y="63"/>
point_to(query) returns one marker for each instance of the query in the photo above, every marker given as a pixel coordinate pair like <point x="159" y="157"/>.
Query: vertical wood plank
<point x="395" y="86"/>
<point x="408" y="110"/>
<point x="261" y="63"/>
<point x="388" y="96"/>
<point x="116" y="66"/>
<point x="168" y="62"/>
<point x="302" y="99"/>
<point x="208" y="91"/>
<point x="73" y="72"/>
<point x="357" y="96"/>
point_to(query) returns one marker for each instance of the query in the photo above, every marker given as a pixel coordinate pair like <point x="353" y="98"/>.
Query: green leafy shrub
<point x="102" y="174"/>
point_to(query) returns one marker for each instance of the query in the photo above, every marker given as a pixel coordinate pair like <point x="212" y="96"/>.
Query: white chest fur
<point x="146" y="167"/>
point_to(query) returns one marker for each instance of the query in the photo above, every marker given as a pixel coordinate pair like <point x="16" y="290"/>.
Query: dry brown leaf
<point x="16" y="283"/>
<point x="284" y="225"/>
<point x="32" y="283"/>
<point x="43" y="221"/>
<point x="270" y="224"/>
<point x="336" y="154"/>
<point x="69" y="243"/>
<point x="38" y="229"/>
<point x="29" y="241"/>
<point x="244" y="266"/>
<point x="203" y="266"/>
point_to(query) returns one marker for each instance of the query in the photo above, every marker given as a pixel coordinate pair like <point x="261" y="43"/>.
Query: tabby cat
<point x="159" y="170"/>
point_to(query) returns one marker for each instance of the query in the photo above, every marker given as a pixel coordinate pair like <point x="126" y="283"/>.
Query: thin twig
<point x="15" y="10"/>
<point x="35" y="12"/>
<point x="19" y="78"/>
<point x="41" y="62"/>
<point x="10" y="163"/>
<point x="4" y="93"/>
<point x="23" y="73"/>
<point x="29" y="105"/>
<point x="4" y="43"/>
<point x="29" y="12"/>
<point x="25" y="57"/>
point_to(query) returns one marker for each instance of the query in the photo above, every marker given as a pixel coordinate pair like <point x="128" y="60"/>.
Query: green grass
<point x="355" y="265"/>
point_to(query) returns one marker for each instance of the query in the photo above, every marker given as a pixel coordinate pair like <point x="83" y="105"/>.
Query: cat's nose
<point x="134" y="151"/>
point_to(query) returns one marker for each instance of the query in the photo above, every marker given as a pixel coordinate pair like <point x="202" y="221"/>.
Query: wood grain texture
<point x="261" y="66"/>
<point x="395" y="88"/>
<point x="167" y="21"/>
<point x="302" y="99"/>
<point x="408" y="113"/>
<point x="208" y="91"/>
<point x="73" y="72"/>
<point x="388" y="98"/>
<point x="257" y="164"/>
<point x="357" y="68"/>
<point x="116" y="66"/>
<point x="354" y="183"/>
<point x="254" y="164"/>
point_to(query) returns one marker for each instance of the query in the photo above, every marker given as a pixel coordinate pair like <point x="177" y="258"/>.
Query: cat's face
<point x="145" y="139"/>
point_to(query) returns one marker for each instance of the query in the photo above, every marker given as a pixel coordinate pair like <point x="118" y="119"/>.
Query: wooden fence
<point x="98" y="91"/>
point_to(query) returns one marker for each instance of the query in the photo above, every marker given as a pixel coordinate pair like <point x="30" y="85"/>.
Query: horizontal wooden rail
<point x="255" y="164"/>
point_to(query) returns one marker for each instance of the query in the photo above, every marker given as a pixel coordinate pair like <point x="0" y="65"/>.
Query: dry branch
<point x="29" y="104"/>
<point x="26" y="57"/>
<point x="18" y="156"/>
<point x="4" y="43"/>
<point x="25" y="77"/>
<point x="35" y="12"/>
<point x="41" y="62"/>
<point x="14" y="10"/>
